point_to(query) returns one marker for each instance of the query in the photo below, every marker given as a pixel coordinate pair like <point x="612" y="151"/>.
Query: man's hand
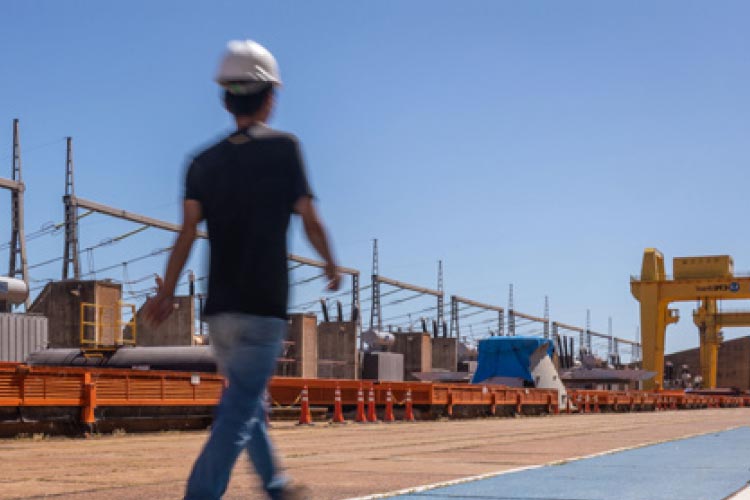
<point x="318" y="238"/>
<point x="334" y="278"/>
<point x="159" y="307"/>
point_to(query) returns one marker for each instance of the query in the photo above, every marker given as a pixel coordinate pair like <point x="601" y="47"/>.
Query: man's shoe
<point x="294" y="492"/>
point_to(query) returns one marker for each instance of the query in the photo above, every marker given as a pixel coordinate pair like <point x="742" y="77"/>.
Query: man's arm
<point x="160" y="307"/>
<point x="318" y="238"/>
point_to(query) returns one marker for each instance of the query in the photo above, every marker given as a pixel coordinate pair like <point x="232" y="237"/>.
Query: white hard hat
<point x="246" y="67"/>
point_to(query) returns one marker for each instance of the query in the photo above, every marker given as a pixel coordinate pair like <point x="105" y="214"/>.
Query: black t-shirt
<point x="247" y="186"/>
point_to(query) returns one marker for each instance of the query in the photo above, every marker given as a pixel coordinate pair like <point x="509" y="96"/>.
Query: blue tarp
<point x="507" y="357"/>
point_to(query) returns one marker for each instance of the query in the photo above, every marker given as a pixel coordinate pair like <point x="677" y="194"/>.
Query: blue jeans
<point x="245" y="348"/>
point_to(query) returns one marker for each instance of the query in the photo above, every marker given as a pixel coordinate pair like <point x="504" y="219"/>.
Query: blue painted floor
<point x="709" y="467"/>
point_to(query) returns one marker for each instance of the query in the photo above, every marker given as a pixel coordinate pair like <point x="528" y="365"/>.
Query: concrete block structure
<point x="337" y="350"/>
<point x="300" y="357"/>
<point x="733" y="366"/>
<point x="445" y="353"/>
<point x="60" y="302"/>
<point x="177" y="329"/>
<point x="384" y="366"/>
<point x="417" y="350"/>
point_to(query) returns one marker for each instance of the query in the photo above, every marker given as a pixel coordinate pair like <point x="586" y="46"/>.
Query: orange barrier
<point x="92" y="388"/>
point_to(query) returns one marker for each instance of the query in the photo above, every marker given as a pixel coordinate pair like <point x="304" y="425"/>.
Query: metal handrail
<point x="98" y="325"/>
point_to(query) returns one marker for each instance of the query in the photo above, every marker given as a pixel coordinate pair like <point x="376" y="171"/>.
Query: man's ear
<point x="270" y="101"/>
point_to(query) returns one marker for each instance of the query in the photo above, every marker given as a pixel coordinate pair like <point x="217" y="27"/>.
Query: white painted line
<point x="453" y="482"/>
<point x="743" y="494"/>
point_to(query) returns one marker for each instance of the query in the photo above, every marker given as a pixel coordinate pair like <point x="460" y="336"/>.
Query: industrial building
<point x="733" y="368"/>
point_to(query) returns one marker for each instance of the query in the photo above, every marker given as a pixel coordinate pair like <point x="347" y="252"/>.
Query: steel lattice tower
<point x="70" y="251"/>
<point x="376" y="318"/>
<point x="440" y="299"/>
<point x="511" y="314"/>
<point x="18" y="266"/>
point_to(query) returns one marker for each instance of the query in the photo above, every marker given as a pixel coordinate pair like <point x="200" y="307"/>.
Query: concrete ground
<point x="338" y="462"/>
<point x="711" y="466"/>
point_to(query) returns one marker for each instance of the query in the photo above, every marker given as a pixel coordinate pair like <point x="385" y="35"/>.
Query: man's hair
<point x="247" y="104"/>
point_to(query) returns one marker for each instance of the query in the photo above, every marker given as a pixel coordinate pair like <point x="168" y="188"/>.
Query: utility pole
<point x="71" y="264"/>
<point x="376" y="318"/>
<point x="18" y="264"/>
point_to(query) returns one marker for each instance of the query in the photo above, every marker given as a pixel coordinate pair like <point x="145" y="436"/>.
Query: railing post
<point x="88" y="401"/>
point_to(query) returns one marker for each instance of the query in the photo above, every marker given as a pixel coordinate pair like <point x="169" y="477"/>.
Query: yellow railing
<point x="102" y="326"/>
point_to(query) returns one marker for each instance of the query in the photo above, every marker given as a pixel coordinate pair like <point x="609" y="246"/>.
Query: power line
<point x="308" y="280"/>
<point x="154" y="253"/>
<point x="89" y="250"/>
<point x="399" y="301"/>
<point x="409" y="314"/>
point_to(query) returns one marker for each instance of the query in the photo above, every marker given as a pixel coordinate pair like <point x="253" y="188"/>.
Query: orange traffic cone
<point x="338" y="415"/>
<point x="304" y="412"/>
<point x="371" y="415"/>
<point x="361" y="418"/>
<point x="408" y="412"/>
<point x="389" y="406"/>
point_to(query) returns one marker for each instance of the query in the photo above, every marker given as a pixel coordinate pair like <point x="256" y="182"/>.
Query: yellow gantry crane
<point x="710" y="321"/>
<point x="705" y="279"/>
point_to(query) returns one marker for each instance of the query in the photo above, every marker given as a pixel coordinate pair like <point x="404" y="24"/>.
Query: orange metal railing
<point x="89" y="388"/>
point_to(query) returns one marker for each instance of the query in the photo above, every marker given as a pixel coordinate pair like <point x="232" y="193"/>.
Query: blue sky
<point x="543" y="144"/>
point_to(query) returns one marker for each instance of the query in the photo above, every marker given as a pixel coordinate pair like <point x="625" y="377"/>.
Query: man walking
<point x="246" y="187"/>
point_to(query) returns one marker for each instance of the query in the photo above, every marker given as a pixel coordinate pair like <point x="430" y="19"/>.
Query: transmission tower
<point x="376" y="318"/>
<point x="18" y="264"/>
<point x="588" y="330"/>
<point x="546" y="317"/>
<point x="70" y="251"/>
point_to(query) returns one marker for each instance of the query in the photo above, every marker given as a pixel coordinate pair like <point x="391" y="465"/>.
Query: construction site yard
<point x="341" y="461"/>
